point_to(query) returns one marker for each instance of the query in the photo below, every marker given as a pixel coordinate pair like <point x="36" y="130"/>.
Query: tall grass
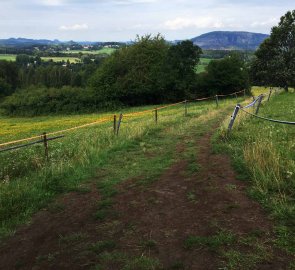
<point x="265" y="153"/>
<point x="28" y="182"/>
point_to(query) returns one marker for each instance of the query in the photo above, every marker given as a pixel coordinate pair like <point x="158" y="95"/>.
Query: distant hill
<point x="226" y="40"/>
<point x="219" y="40"/>
<point x="23" y="42"/>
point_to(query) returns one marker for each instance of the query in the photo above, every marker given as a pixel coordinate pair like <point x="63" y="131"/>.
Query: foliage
<point x="150" y="71"/>
<point x="8" y="78"/>
<point x="264" y="152"/>
<point x="275" y="59"/>
<point x="28" y="182"/>
<point x="42" y="101"/>
<point x="224" y="76"/>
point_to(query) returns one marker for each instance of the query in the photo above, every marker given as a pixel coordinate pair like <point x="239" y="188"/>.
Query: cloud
<point x="199" y="23"/>
<point x="93" y="2"/>
<point x="52" y="2"/>
<point x="269" y="22"/>
<point x="75" y="27"/>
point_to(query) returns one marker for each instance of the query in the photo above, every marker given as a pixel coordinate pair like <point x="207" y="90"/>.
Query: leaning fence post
<point x="233" y="117"/>
<point x="119" y="123"/>
<point x="45" y="145"/>
<point x="115" y="123"/>
<point x="217" y="103"/>
<point x="269" y="95"/>
<point x="236" y="96"/>
<point x="258" y="104"/>
<point x="185" y="108"/>
<point x="156" y="115"/>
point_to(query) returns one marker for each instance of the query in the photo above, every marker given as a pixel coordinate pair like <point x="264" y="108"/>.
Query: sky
<point x="122" y="20"/>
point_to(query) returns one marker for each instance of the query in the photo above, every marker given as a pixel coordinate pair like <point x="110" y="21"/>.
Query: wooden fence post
<point x="185" y="108"/>
<point x="258" y="104"/>
<point x="244" y="93"/>
<point x="45" y="142"/>
<point x="217" y="103"/>
<point x="236" y="96"/>
<point x="119" y="123"/>
<point x="115" y="123"/>
<point x="156" y="115"/>
<point x="269" y="95"/>
<point x="233" y="117"/>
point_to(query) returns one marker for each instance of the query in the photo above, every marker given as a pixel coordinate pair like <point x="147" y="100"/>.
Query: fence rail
<point x="44" y="137"/>
<point x="268" y="119"/>
<point x="257" y="101"/>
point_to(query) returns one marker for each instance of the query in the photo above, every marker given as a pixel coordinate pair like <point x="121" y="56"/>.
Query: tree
<point x="8" y="77"/>
<point x="274" y="64"/>
<point x="148" y="72"/>
<point x="225" y="76"/>
<point x="182" y="60"/>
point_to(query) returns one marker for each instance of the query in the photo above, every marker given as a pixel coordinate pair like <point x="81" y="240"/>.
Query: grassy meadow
<point x="142" y="149"/>
<point x="8" y="57"/>
<point x="265" y="153"/>
<point x="204" y="62"/>
<point x="102" y="51"/>
<point x="12" y="57"/>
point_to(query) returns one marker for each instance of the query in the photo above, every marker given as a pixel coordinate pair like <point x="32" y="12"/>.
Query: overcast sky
<point x="121" y="20"/>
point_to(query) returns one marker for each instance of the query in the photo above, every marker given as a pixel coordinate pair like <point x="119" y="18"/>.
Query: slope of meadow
<point x="265" y="152"/>
<point x="154" y="197"/>
<point x="28" y="181"/>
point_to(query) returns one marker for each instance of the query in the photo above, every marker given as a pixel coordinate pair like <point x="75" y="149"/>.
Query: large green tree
<point x="149" y="71"/>
<point x="8" y="78"/>
<point x="224" y="76"/>
<point x="274" y="64"/>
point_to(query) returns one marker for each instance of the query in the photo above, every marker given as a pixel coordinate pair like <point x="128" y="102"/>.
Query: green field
<point x="28" y="182"/>
<point x="102" y="51"/>
<point x="203" y="64"/>
<point x="265" y="153"/>
<point x="12" y="57"/>
<point x="143" y="158"/>
<point x="8" y="57"/>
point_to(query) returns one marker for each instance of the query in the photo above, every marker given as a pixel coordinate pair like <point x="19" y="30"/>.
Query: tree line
<point x="150" y="71"/>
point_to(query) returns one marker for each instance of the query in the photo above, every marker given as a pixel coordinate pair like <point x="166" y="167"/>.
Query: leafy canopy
<point x="149" y="71"/>
<point x="275" y="59"/>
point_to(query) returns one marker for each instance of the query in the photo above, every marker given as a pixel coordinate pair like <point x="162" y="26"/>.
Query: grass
<point x="244" y="252"/>
<point x="102" y="246"/>
<point x="12" y="57"/>
<point x="72" y="238"/>
<point x="122" y="261"/>
<point x="213" y="243"/>
<point x="265" y="153"/>
<point x="201" y="67"/>
<point x="95" y="52"/>
<point x="142" y="151"/>
<point x="8" y="57"/>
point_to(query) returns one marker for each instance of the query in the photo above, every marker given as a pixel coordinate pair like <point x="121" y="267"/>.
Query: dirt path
<point x="202" y="220"/>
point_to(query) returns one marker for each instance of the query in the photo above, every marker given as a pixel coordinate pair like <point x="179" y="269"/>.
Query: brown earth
<point x="151" y="221"/>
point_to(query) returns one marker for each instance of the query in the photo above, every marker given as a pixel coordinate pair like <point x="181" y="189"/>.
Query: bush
<point x="43" y="101"/>
<point x="148" y="72"/>
<point x="224" y="76"/>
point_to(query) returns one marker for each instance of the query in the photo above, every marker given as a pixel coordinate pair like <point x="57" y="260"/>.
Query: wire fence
<point x="45" y="137"/>
<point x="256" y="103"/>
